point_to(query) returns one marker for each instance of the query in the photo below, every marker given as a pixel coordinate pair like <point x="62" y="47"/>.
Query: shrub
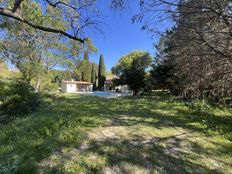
<point x="19" y="99"/>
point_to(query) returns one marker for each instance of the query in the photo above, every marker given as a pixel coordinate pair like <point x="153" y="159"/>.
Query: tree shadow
<point x="65" y="120"/>
<point x="149" y="156"/>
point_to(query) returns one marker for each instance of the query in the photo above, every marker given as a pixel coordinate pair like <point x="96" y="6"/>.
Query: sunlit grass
<point x="156" y="134"/>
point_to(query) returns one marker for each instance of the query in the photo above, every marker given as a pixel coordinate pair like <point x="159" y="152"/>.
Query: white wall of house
<point x="73" y="88"/>
<point x="91" y="88"/>
<point x="69" y="88"/>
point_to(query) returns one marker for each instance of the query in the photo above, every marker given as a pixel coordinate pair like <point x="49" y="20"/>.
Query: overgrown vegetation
<point x="194" y="57"/>
<point x="17" y="98"/>
<point x="154" y="134"/>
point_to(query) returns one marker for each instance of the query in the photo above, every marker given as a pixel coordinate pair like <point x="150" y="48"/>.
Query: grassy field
<point x="145" y="135"/>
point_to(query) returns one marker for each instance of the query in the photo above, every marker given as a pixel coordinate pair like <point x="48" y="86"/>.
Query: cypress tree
<point x="93" y="77"/>
<point x="86" y="74"/>
<point x="101" y="73"/>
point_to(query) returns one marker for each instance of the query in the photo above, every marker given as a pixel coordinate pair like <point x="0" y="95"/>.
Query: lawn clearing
<point x="134" y="135"/>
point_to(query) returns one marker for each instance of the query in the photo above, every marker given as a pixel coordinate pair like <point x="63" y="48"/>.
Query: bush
<point x="19" y="99"/>
<point x="4" y="86"/>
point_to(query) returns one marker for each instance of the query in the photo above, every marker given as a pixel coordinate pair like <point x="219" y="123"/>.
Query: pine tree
<point x="101" y="73"/>
<point x="86" y="74"/>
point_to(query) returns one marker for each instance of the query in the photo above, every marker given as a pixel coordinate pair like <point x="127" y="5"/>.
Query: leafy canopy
<point x="131" y="69"/>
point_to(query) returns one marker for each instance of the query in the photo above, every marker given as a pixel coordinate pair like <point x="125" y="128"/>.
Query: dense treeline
<point x="194" y="58"/>
<point x="91" y="72"/>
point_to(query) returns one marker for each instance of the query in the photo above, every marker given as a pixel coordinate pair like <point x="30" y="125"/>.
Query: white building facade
<point x="76" y="86"/>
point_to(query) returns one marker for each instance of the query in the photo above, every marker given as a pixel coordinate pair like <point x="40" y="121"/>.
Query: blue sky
<point x="119" y="35"/>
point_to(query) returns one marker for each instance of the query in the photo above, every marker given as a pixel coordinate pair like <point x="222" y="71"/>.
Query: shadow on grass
<point x="178" y="114"/>
<point x="142" y="156"/>
<point x="63" y="123"/>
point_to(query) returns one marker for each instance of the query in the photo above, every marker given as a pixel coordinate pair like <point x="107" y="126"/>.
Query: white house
<point x="76" y="86"/>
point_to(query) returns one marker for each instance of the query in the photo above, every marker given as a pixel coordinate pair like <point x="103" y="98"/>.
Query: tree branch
<point x="17" y="5"/>
<point x="14" y="15"/>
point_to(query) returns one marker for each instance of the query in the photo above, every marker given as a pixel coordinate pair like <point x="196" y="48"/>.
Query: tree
<point x="3" y="69"/>
<point x="201" y="45"/>
<point x="131" y="70"/>
<point x="71" y="16"/>
<point x="86" y="72"/>
<point x="101" y="73"/>
<point x="74" y="17"/>
<point x="93" y="77"/>
<point x="34" y="53"/>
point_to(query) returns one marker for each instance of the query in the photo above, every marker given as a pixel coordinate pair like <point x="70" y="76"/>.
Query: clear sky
<point x="119" y="35"/>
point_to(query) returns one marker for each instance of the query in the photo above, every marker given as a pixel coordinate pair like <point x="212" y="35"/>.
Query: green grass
<point x="135" y="135"/>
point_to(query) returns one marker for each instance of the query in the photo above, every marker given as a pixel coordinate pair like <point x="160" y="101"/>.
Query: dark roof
<point x="76" y="82"/>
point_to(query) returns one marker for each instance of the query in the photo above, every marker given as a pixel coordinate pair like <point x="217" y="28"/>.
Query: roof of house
<point x="109" y="79"/>
<point x="76" y="82"/>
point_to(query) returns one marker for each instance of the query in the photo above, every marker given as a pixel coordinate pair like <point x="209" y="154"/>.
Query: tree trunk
<point x="136" y="92"/>
<point x="37" y="85"/>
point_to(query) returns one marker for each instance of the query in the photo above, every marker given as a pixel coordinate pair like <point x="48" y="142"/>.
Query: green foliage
<point x="163" y="77"/>
<point x="101" y="73"/>
<point x="86" y="73"/>
<point x="89" y="46"/>
<point x="93" y="77"/>
<point x="3" y="70"/>
<point x="49" y="85"/>
<point x="58" y="76"/>
<point x="131" y="69"/>
<point x="18" y="99"/>
<point x="192" y="64"/>
<point x="5" y="90"/>
<point x="148" y="85"/>
<point x="35" y="53"/>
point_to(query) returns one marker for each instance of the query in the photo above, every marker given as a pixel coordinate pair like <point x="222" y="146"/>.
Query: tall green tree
<point x="34" y="53"/>
<point x="93" y="77"/>
<point x="201" y="41"/>
<point x="86" y="73"/>
<point x="101" y="73"/>
<point x="132" y="69"/>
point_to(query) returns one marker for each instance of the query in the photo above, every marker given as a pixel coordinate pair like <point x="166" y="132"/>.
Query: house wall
<point x="71" y="88"/>
<point x="84" y="88"/>
<point x="68" y="88"/>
